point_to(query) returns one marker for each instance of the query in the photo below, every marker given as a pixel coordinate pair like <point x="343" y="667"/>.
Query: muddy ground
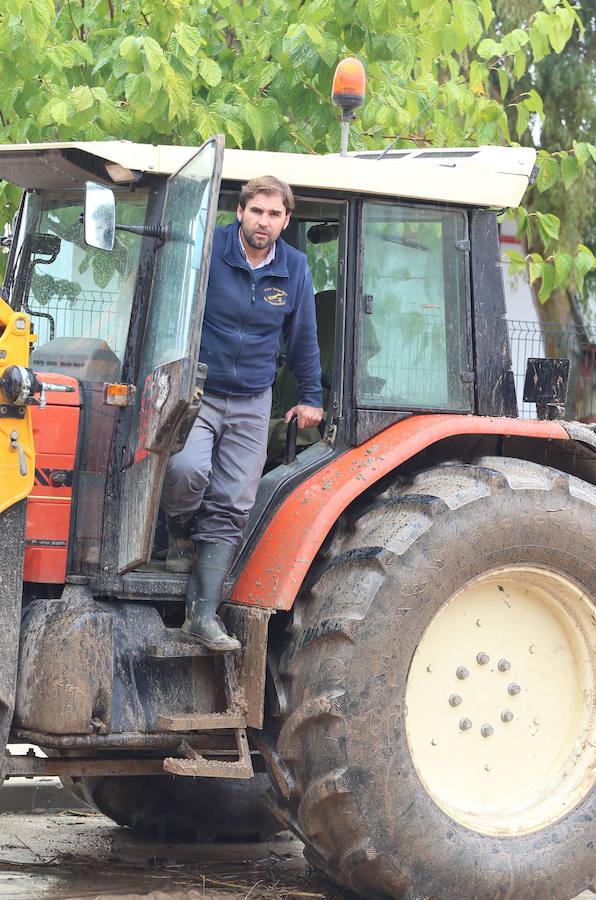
<point x="78" y="854"/>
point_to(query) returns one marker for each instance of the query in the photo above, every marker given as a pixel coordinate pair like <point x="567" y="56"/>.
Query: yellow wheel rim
<point x="500" y="701"/>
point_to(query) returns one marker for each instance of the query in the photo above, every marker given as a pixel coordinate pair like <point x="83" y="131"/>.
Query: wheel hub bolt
<point x="465" y="724"/>
<point x="503" y="665"/>
<point x="514" y="689"/>
<point x="454" y="700"/>
<point x="482" y="659"/>
<point x="487" y="730"/>
<point x="506" y="715"/>
<point x="462" y="673"/>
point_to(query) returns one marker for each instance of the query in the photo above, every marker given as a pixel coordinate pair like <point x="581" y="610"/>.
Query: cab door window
<point x="414" y="348"/>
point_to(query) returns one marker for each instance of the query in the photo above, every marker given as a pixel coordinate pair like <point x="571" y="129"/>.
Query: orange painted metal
<point x="282" y="557"/>
<point x="55" y="433"/>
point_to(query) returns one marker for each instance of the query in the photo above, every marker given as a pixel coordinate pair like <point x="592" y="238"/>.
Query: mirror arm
<point x="160" y="232"/>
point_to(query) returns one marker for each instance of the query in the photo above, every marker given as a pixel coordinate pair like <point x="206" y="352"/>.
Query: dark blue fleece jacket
<point x="245" y="312"/>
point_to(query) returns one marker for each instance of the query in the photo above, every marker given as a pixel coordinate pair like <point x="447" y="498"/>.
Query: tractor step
<point x="195" y="764"/>
<point x="201" y="721"/>
<point x="234" y="718"/>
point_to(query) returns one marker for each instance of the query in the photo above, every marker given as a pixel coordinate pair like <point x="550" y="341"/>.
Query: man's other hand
<point x="308" y="416"/>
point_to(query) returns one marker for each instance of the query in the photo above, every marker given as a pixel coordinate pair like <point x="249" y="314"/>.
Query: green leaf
<point x="254" y="120"/>
<point x="130" y="48"/>
<point x="515" y="40"/>
<point x="516" y="262"/>
<point x="137" y="88"/>
<point x="548" y="225"/>
<point x="109" y="117"/>
<point x="548" y="173"/>
<point x="503" y="82"/>
<point x="314" y="34"/>
<point x="189" y="38"/>
<point x="520" y="62"/>
<point x="488" y="48"/>
<point x="558" y="35"/>
<point x="523" y="118"/>
<point x="522" y="221"/>
<point x="584" y="263"/>
<point x="486" y="10"/>
<point x="209" y="71"/>
<point x="37" y="16"/>
<point x="153" y="54"/>
<point x="539" y="43"/>
<point x="582" y="151"/>
<point x="569" y="170"/>
<point x="236" y="131"/>
<point x="82" y="98"/>
<point x="563" y="267"/>
<point x="548" y="282"/>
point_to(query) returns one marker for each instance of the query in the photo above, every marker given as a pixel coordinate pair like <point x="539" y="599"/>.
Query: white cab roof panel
<point x="478" y="176"/>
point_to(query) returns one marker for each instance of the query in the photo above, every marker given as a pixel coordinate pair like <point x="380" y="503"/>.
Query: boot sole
<point x="188" y="635"/>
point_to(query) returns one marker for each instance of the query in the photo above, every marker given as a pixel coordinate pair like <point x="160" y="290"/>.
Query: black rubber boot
<point x="203" y="596"/>
<point x="180" y="547"/>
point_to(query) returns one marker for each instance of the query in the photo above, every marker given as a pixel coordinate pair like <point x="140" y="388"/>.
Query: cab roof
<point x="477" y="176"/>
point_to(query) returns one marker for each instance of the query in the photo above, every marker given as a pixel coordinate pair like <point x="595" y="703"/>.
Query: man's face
<point x="262" y="220"/>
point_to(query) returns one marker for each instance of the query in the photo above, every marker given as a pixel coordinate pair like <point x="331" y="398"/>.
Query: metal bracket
<point x="8" y="411"/>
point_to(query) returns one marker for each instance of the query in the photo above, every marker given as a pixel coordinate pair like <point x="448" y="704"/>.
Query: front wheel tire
<point x="441" y="677"/>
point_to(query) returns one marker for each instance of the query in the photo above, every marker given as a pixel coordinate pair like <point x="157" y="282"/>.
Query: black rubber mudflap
<point x="12" y="539"/>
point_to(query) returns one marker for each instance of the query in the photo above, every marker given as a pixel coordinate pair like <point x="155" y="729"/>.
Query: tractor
<point x="415" y="592"/>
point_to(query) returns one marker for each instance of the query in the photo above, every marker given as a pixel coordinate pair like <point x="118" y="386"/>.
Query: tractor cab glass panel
<point x="79" y="297"/>
<point x="414" y="345"/>
<point x="178" y="263"/>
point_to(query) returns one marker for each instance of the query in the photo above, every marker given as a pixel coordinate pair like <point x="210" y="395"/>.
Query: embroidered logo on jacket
<point x="275" y="296"/>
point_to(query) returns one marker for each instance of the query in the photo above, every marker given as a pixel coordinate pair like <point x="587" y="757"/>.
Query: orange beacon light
<point x="348" y="92"/>
<point x="349" y="85"/>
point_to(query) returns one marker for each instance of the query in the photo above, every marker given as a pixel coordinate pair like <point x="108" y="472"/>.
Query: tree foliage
<point x="177" y="71"/>
<point x="566" y="83"/>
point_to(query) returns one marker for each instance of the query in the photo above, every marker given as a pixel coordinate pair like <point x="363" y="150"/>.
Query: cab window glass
<point x="413" y="336"/>
<point x="79" y="297"/>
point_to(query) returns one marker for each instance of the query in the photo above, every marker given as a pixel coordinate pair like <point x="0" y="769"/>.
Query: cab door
<point x="169" y="384"/>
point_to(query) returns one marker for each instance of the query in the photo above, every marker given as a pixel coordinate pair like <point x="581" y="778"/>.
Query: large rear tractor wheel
<point x="170" y="807"/>
<point x="441" y="682"/>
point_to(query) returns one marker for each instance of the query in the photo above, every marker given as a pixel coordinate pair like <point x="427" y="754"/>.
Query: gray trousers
<point x="218" y="470"/>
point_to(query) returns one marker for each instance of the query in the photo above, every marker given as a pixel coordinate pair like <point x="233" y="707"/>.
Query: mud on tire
<point x="369" y="799"/>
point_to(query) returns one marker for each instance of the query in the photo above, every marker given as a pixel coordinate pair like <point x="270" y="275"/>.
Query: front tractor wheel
<point x="441" y="675"/>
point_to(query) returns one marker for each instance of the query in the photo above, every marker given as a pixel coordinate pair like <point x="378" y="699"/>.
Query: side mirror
<point x="99" y="216"/>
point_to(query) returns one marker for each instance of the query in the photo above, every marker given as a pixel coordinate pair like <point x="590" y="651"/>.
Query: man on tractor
<point x="259" y="287"/>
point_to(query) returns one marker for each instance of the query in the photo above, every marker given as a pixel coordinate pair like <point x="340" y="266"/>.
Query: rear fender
<point x="281" y="559"/>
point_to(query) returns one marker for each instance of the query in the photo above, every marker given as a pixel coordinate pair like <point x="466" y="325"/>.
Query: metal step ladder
<point x="192" y="762"/>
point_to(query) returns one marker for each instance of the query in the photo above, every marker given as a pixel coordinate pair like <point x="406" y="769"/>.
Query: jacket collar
<point x="233" y="256"/>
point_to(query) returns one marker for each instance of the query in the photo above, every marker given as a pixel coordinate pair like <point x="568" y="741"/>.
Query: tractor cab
<point x="392" y="270"/>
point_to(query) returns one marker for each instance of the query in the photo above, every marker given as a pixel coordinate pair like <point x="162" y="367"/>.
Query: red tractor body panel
<point x="55" y="430"/>
<point x="290" y="542"/>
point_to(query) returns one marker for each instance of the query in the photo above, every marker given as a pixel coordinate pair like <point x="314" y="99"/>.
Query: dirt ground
<point x="79" y="855"/>
<point x="75" y="854"/>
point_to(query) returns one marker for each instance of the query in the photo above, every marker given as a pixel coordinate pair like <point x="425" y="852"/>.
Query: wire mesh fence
<point x="549" y="339"/>
<point x="91" y="313"/>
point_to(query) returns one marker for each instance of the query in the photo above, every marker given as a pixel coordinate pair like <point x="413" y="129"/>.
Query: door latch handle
<point x="15" y="445"/>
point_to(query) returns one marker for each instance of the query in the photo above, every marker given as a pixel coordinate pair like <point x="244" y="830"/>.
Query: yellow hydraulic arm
<point x="17" y="452"/>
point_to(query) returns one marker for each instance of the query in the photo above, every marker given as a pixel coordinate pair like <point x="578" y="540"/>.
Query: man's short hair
<point x="267" y="184"/>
